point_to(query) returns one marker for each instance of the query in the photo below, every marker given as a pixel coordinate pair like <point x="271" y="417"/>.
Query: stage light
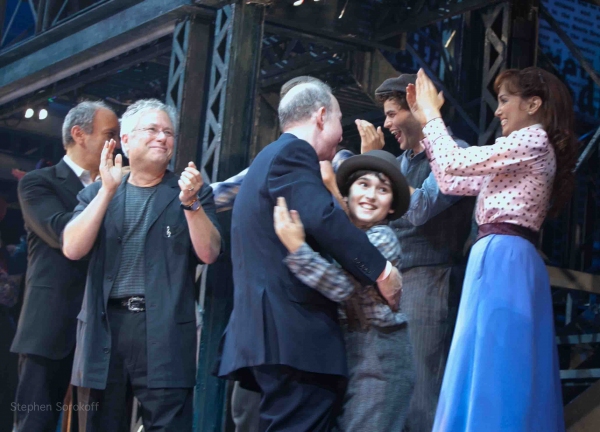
<point x="29" y="113"/>
<point x="43" y="114"/>
<point x="298" y="2"/>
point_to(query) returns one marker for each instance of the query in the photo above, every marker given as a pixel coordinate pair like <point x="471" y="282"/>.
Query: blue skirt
<point x="502" y="372"/>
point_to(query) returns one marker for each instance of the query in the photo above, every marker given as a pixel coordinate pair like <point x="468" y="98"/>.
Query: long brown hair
<point x="556" y="116"/>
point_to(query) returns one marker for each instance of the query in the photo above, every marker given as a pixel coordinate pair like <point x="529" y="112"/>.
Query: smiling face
<point x="370" y="200"/>
<point x="402" y="124"/>
<point x="152" y="140"/>
<point x="514" y="111"/>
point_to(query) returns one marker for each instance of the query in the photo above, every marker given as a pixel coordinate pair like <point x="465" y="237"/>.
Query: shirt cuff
<point x="386" y="272"/>
<point x="300" y="255"/>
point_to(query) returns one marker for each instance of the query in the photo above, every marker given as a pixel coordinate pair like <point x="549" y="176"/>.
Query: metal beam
<point x="227" y="140"/>
<point x="323" y="37"/>
<point x="573" y="280"/>
<point x="185" y="90"/>
<point x="431" y="17"/>
<point x="58" y="32"/>
<point x="99" y="42"/>
<point x="96" y="74"/>
<point x="583" y="413"/>
<point x="443" y="88"/>
<point x="569" y="43"/>
<point x="589" y="149"/>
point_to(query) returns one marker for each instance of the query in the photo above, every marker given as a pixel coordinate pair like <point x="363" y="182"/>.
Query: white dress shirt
<point x="82" y="174"/>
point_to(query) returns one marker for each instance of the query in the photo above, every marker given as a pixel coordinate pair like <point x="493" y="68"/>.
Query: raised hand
<point x="110" y="167"/>
<point x="288" y="226"/>
<point x="370" y="138"/>
<point x="190" y="183"/>
<point x="423" y="99"/>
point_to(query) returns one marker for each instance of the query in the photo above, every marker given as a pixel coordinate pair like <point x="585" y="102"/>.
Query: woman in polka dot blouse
<point x="502" y="372"/>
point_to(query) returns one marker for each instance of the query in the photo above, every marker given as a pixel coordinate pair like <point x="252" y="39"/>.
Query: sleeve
<point x="333" y="282"/>
<point x="225" y="192"/>
<point x="85" y="197"/>
<point x="316" y="272"/>
<point x="207" y="200"/>
<point x="385" y="240"/>
<point x="340" y="157"/>
<point x="511" y="154"/>
<point x="428" y="201"/>
<point x="295" y="175"/>
<point x="43" y="211"/>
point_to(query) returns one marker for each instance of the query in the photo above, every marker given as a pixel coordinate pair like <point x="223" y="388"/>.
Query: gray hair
<point x="132" y="115"/>
<point x="301" y="105"/>
<point x="81" y="115"/>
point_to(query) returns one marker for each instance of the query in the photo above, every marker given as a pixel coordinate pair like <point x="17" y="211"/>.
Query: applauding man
<point x="145" y="232"/>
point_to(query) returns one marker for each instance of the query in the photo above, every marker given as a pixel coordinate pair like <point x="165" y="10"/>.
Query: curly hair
<point x="557" y="118"/>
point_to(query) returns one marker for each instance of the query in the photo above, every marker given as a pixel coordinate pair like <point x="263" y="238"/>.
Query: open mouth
<point x="503" y="122"/>
<point x="367" y="206"/>
<point x="398" y="135"/>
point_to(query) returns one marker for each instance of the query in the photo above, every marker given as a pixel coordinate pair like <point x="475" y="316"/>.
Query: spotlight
<point x="298" y="2"/>
<point x="43" y="114"/>
<point x="29" y="113"/>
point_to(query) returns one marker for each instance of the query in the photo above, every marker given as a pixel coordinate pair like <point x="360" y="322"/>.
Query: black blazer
<point x="276" y="319"/>
<point x="54" y="284"/>
<point x="170" y="265"/>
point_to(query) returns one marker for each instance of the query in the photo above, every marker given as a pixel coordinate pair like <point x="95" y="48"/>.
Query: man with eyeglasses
<point x="144" y="234"/>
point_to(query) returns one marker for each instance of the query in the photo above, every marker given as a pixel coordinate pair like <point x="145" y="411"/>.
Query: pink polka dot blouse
<point x="512" y="178"/>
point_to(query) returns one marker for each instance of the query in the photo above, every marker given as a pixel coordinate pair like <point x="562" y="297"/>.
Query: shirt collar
<point x="82" y="174"/>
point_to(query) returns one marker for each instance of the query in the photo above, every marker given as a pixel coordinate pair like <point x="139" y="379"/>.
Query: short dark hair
<point x="81" y="115"/>
<point x="396" y="96"/>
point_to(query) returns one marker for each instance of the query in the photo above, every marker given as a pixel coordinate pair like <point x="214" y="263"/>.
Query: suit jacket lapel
<point x="68" y="178"/>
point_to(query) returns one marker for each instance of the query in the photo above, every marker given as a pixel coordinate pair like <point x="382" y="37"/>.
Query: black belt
<point x="132" y="304"/>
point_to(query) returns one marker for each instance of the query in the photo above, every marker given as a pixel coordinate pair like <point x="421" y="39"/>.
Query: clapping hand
<point x="190" y="183"/>
<point x="423" y="99"/>
<point x="370" y="138"/>
<point x="110" y="166"/>
<point x="288" y="226"/>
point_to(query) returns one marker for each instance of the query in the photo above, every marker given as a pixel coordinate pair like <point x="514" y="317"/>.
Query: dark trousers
<point x="43" y="384"/>
<point x="293" y="400"/>
<point x="163" y="409"/>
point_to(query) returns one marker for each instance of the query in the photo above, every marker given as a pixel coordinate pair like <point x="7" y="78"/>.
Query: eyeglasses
<point x="152" y="131"/>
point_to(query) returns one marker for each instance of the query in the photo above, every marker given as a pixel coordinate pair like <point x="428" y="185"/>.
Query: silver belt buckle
<point x="136" y="304"/>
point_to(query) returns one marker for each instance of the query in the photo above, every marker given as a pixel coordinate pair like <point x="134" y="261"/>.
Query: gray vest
<point x="441" y="240"/>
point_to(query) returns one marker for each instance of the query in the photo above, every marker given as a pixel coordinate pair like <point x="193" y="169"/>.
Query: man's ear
<point x="78" y="134"/>
<point x="321" y="114"/>
<point x="125" y="145"/>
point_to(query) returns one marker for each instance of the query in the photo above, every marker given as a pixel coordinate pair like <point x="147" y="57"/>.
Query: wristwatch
<point x="194" y="206"/>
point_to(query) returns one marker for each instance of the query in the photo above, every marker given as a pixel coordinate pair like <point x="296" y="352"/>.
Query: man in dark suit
<point x="283" y="338"/>
<point x="45" y="337"/>
<point x="146" y="233"/>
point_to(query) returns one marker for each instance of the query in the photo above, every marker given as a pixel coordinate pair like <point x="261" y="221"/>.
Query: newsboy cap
<point x="397" y="84"/>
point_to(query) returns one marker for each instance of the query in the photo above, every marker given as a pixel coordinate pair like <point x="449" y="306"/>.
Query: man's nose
<point x="370" y="192"/>
<point x="387" y="123"/>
